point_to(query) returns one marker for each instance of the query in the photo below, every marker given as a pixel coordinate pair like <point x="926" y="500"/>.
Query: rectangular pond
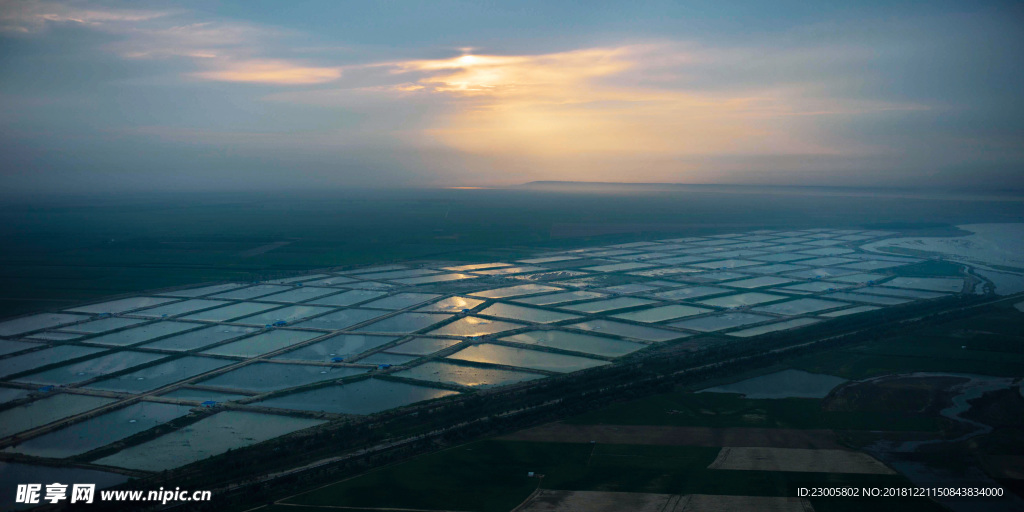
<point x="47" y="410"/>
<point x="636" y="332"/>
<point x="401" y="300"/>
<point x="849" y="311"/>
<point x="742" y="299"/>
<point x="228" y="313"/>
<point x="362" y="397"/>
<point x="342" y="319"/>
<point x="864" y="278"/>
<point x="36" y="322"/>
<point x="91" y="368"/>
<point x="205" y="438"/>
<point x="821" y="273"/>
<point x="470" y="376"/>
<point x="180" y="308"/>
<point x="516" y="291"/>
<point x="662" y="313"/>
<point x="398" y="274"/>
<point x="344" y="346"/>
<point x="330" y="281"/>
<point x="800" y="307"/>
<point x="560" y="298"/>
<point x="101" y="430"/>
<point x="300" y="294"/>
<point x="935" y="284"/>
<point x="405" y="323"/>
<point x="784" y="384"/>
<point x="45" y="357"/>
<point x="618" y="267"/>
<point x="263" y="377"/>
<point x="523" y="358"/>
<point x="349" y="298"/>
<point x="121" y="305"/>
<point x="596" y="345"/>
<point x="386" y="358"/>
<point x="203" y="337"/>
<point x="423" y="346"/>
<point x="877" y="300"/>
<point x="203" y="290"/>
<point x="814" y="287"/>
<point x="721" y="321"/>
<point x="437" y="278"/>
<point x="262" y="343"/>
<point x="525" y="314"/>
<point x="726" y="264"/>
<point x="691" y="292"/>
<point x="900" y="292"/>
<point x="601" y="306"/>
<point x="759" y="282"/>
<point x="11" y="347"/>
<point x="474" y="326"/>
<point x="251" y="292"/>
<point x="777" y="326"/>
<point x="451" y="305"/>
<point x="202" y="395"/>
<point x="163" y="374"/>
<point x="287" y="314"/>
<point x="143" y="333"/>
<point x="102" y="325"/>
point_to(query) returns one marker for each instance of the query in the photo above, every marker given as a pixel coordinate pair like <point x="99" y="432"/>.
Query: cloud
<point x="610" y="100"/>
<point x="225" y="51"/>
<point x="280" y="72"/>
<point x="23" y="16"/>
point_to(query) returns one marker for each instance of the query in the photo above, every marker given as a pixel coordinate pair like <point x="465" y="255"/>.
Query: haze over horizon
<point x="246" y="95"/>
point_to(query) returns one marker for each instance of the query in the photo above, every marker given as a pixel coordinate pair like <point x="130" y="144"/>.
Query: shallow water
<point x="637" y="332"/>
<point x="405" y="323"/>
<point x="37" y="322"/>
<point x="271" y="377"/>
<point x="161" y="375"/>
<point x="367" y="396"/>
<point x="474" y="326"/>
<point x="121" y="305"/>
<point x="777" y="326"/>
<point x="663" y="313"/>
<point x="526" y="314"/>
<point x="47" y="410"/>
<point x="201" y="338"/>
<point x="436" y="371"/>
<point x="532" y="359"/>
<point x="345" y="346"/>
<point x="576" y="342"/>
<point x="91" y="368"/>
<point x="423" y="346"/>
<point x="140" y="334"/>
<point x="260" y="344"/>
<point x="207" y="437"/>
<point x="40" y="358"/>
<point x="101" y="430"/>
<point x="721" y="321"/>
<point x="784" y="384"/>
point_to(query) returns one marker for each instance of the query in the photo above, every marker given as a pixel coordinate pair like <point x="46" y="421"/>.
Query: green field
<point x="492" y="476"/>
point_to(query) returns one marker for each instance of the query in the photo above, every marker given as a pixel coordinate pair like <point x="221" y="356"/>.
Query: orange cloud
<point x="565" y="103"/>
<point x="279" y="72"/>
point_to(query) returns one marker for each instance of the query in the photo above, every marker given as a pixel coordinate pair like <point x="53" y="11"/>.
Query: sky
<point x="258" y="94"/>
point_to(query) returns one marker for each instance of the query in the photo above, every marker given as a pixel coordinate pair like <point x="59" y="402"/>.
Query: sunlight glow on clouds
<point x="271" y="72"/>
<point x="576" y="101"/>
<point x="402" y="92"/>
